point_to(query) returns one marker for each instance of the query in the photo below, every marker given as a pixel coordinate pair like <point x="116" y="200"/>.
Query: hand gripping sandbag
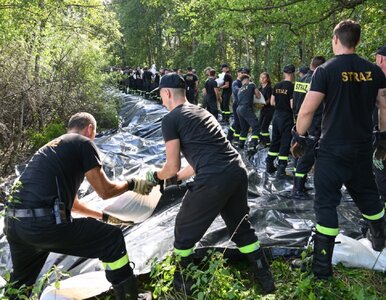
<point x="258" y="104"/>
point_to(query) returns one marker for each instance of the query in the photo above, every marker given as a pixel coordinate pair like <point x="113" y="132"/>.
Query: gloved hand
<point x="142" y="186"/>
<point x="299" y="144"/>
<point x="115" y="221"/>
<point x="152" y="177"/>
<point x="380" y="145"/>
<point x="172" y="181"/>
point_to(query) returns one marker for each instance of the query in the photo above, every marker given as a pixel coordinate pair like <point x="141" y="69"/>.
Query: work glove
<point x="172" y="181"/>
<point x="151" y="176"/>
<point x="299" y="144"/>
<point x="141" y="186"/>
<point x="380" y="145"/>
<point x="115" y="221"/>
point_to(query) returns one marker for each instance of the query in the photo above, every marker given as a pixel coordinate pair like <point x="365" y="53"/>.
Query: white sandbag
<point x="133" y="207"/>
<point x="358" y="254"/>
<point x="220" y="79"/>
<point x="78" y="287"/>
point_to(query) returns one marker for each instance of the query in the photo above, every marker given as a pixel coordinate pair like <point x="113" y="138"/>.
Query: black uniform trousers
<point x="304" y="163"/>
<point x="351" y="165"/>
<point x="282" y="124"/>
<point x="235" y="127"/>
<point x="223" y="193"/>
<point x="265" y="119"/>
<point x="248" y="119"/>
<point x="226" y="98"/>
<point x="32" y="239"/>
<point x="211" y="106"/>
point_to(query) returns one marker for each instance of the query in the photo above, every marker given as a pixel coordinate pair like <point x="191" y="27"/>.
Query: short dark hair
<point x="244" y="76"/>
<point x="81" y="120"/>
<point x="317" y="61"/>
<point x="212" y="72"/>
<point x="348" y="33"/>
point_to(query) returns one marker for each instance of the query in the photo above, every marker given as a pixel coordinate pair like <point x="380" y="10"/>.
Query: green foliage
<point x="49" y="132"/>
<point x="215" y="278"/>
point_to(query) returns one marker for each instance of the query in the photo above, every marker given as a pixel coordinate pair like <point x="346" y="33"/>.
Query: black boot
<point x="299" y="189"/>
<point x="240" y="144"/>
<point x="127" y="289"/>
<point x="261" y="271"/>
<point x="270" y="166"/>
<point x="376" y="234"/>
<point x="182" y="282"/>
<point x="253" y="144"/>
<point x="322" y="256"/>
<point x="230" y="135"/>
<point x="280" y="173"/>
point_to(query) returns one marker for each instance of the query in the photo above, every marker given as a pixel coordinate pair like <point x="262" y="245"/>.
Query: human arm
<point x="257" y="93"/>
<point x="273" y="103"/>
<point x="292" y="103"/>
<point x="82" y="208"/>
<point x="310" y="104"/>
<point x="185" y="173"/>
<point x="381" y="104"/>
<point x="173" y="160"/>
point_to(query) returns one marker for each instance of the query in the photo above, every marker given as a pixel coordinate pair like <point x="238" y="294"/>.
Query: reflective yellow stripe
<point x="183" y="253"/>
<point x="264" y="133"/>
<point x="283" y="157"/>
<point x="242" y="138"/>
<point x="301" y="87"/>
<point x="226" y="112"/>
<point x="236" y="135"/>
<point x="273" y="153"/>
<point x="250" y="248"/>
<point x="231" y="128"/>
<point x="327" y="230"/>
<point x="115" y="265"/>
<point x="301" y="175"/>
<point x="375" y="217"/>
<point x="294" y="169"/>
<point x="254" y="137"/>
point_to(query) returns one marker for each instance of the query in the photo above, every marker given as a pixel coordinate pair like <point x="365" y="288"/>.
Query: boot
<point x="280" y="173"/>
<point x="261" y="271"/>
<point x="230" y="135"/>
<point x="127" y="289"/>
<point x="322" y="256"/>
<point x="299" y="189"/>
<point x="270" y="166"/>
<point x="376" y="234"/>
<point x="253" y="144"/>
<point x="265" y="141"/>
<point x="182" y="282"/>
<point x="241" y="144"/>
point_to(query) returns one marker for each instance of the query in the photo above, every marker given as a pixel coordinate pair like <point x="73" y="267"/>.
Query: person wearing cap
<point x="349" y="87"/>
<point x="226" y="93"/>
<point x="379" y="160"/>
<point x="304" y="164"/>
<point x="282" y="122"/>
<point x="267" y="110"/>
<point x="234" y="130"/>
<point x="40" y="222"/>
<point x="220" y="183"/>
<point x="191" y="85"/>
<point x="245" y="113"/>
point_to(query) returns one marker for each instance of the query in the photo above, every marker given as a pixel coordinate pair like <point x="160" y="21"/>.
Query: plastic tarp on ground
<point x="282" y="223"/>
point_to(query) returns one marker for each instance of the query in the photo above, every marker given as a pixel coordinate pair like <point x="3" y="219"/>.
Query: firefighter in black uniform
<point x="226" y="93"/>
<point x="245" y="113"/>
<point x="220" y="184"/>
<point x="191" y="85"/>
<point x="348" y="86"/>
<point x="282" y="123"/>
<point x="211" y="93"/>
<point x="38" y="217"/>
<point x="267" y="110"/>
<point x="234" y="130"/>
<point x="304" y="164"/>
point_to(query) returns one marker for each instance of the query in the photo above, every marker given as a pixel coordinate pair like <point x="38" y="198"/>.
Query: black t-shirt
<point x="228" y="78"/>
<point x="283" y="92"/>
<point x="267" y="93"/>
<point x="190" y="80"/>
<point x="147" y="75"/>
<point x="203" y="143"/>
<point x="210" y="85"/>
<point x="66" y="159"/>
<point x="246" y="93"/>
<point x="350" y="85"/>
<point x="300" y="90"/>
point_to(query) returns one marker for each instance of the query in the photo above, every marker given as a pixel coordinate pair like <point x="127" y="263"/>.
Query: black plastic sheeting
<point x="282" y="223"/>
